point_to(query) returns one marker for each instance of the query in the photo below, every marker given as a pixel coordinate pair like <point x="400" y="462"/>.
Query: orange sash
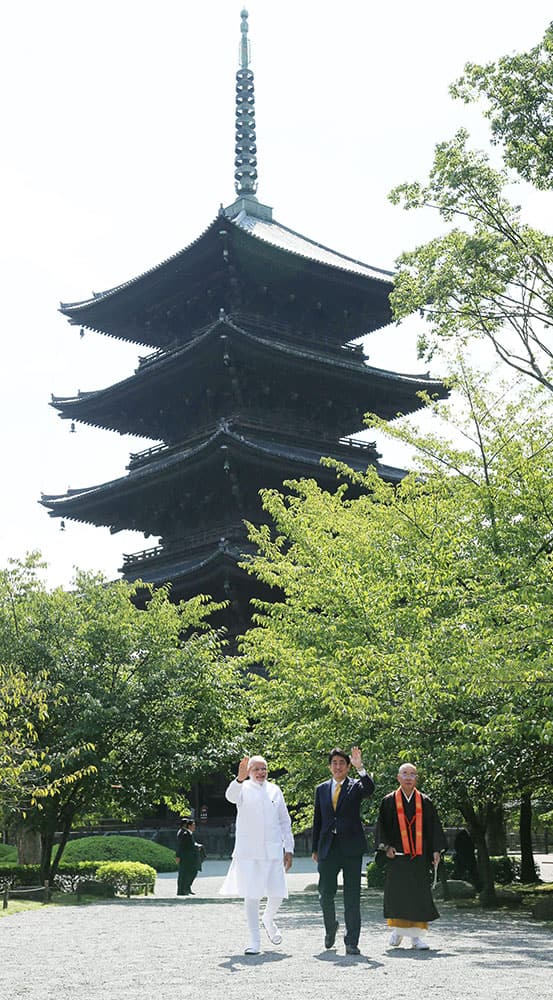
<point x="411" y="845"/>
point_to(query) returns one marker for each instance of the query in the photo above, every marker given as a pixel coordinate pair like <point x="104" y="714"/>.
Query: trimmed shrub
<point x="457" y="889"/>
<point x="542" y="909"/>
<point x="20" y="874"/>
<point x="505" y="869"/>
<point x="66" y="879"/>
<point x="90" y="887"/>
<point x="125" y="875"/>
<point x="375" y="875"/>
<point x="117" y="847"/>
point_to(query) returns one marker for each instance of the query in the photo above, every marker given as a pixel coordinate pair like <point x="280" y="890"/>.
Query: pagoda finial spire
<point x="245" y="162"/>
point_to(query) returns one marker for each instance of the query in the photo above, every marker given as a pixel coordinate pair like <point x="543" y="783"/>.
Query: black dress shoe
<point x="330" y="937"/>
<point x="352" y="949"/>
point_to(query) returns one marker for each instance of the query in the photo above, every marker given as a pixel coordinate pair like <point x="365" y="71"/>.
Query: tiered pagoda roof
<point x="251" y="379"/>
<point x="240" y="362"/>
<point x="255" y="266"/>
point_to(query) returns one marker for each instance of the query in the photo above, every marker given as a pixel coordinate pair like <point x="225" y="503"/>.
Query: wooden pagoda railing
<point x="255" y="322"/>
<point x="253" y="422"/>
<point x="223" y="532"/>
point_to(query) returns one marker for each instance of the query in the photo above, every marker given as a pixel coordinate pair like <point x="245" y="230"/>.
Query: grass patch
<point x="19" y="906"/>
<point x="7" y="853"/>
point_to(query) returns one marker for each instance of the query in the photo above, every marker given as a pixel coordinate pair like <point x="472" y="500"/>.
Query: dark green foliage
<point x="7" y="853"/>
<point x="543" y="908"/>
<point x="89" y="887"/>
<point x="77" y="877"/>
<point x="375" y="875"/>
<point x="65" y="880"/>
<point x="121" y="848"/>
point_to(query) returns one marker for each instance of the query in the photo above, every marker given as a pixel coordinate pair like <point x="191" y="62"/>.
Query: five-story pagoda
<point x="250" y="380"/>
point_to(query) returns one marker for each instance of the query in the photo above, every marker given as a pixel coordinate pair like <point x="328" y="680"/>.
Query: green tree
<point x="141" y="703"/>
<point x="491" y="275"/>
<point x="518" y="90"/>
<point x="416" y="620"/>
<point x="19" y="759"/>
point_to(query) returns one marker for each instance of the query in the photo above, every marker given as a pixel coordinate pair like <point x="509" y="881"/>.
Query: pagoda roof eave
<point x="69" y="309"/>
<point x="283" y="244"/>
<point x="84" y="504"/>
<point x="163" y="363"/>
<point x="207" y="562"/>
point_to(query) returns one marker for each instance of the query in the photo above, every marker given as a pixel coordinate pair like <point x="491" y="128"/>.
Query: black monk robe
<point x="407" y="884"/>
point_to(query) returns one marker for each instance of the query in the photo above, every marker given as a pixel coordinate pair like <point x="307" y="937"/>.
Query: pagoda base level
<point x="225" y="583"/>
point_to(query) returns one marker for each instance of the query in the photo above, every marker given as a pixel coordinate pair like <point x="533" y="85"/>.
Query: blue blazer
<point x="344" y="824"/>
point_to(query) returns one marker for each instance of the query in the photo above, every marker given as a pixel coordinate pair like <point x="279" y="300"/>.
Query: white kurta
<point x="263" y="833"/>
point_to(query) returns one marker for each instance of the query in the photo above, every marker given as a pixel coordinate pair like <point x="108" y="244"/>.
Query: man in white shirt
<point x="263" y="850"/>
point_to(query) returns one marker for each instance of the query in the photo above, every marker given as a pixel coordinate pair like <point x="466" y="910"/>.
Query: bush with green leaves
<point x="7" y="853"/>
<point x="66" y="880"/>
<point x="116" y="847"/>
<point x="375" y="875"/>
<point x="505" y="869"/>
<point x="127" y="876"/>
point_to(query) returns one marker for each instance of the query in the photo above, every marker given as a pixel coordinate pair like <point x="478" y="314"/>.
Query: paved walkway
<point x="164" y="947"/>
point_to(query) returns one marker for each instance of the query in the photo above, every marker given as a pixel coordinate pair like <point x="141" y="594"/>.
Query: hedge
<point x="120" y="876"/>
<point x="66" y="880"/>
<point x="118" y="847"/>
<point x="505" y="870"/>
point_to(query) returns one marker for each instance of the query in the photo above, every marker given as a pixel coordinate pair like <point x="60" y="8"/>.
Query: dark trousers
<point x="350" y="866"/>
<point x="186" y="874"/>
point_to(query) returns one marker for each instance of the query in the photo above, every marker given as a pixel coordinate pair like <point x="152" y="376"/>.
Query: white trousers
<point x="252" y="906"/>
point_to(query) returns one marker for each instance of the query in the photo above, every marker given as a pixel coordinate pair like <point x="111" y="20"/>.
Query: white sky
<point x="117" y="127"/>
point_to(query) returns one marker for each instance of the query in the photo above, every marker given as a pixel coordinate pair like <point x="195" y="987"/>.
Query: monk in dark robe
<point x="411" y="837"/>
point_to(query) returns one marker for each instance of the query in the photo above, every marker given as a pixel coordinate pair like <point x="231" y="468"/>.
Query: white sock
<point x="252" y="916"/>
<point x="271" y="909"/>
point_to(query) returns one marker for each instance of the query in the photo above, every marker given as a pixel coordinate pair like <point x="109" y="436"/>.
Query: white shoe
<point x="395" y="939"/>
<point x="252" y="949"/>
<point x="273" y="933"/>
<point x="420" y="943"/>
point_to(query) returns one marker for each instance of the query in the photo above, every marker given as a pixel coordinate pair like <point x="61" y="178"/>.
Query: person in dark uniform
<point x="186" y="857"/>
<point x="411" y="837"/>
<point x="339" y="843"/>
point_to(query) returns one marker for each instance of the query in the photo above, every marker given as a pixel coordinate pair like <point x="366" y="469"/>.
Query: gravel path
<point x="164" y="947"/>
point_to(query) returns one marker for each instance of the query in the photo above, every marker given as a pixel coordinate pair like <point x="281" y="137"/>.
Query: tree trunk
<point x="496" y="834"/>
<point x="60" y="847"/>
<point x="527" y="866"/>
<point x="476" y="824"/>
<point x="46" y="856"/>
<point x="28" y="845"/>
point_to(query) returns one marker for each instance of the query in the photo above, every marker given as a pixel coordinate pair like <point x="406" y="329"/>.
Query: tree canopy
<point x="416" y="620"/>
<point x="491" y="274"/>
<point x="134" y="706"/>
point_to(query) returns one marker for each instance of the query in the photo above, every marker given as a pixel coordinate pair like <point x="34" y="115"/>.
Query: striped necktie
<point x="336" y="795"/>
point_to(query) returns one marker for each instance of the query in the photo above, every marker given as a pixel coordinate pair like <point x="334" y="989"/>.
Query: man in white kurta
<point x="263" y="849"/>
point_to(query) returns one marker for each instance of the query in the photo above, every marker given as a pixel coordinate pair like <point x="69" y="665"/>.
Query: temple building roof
<point x="205" y="466"/>
<point x="228" y="346"/>
<point x="246" y="257"/>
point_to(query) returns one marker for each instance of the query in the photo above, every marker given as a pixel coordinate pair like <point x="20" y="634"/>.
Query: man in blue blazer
<point x="339" y="843"/>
